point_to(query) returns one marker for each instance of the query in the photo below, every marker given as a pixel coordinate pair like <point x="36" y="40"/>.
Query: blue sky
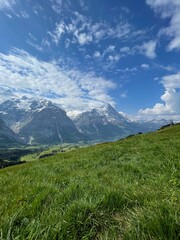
<point x="84" y="53"/>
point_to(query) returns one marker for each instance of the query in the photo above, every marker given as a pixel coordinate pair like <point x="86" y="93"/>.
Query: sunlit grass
<point x="123" y="190"/>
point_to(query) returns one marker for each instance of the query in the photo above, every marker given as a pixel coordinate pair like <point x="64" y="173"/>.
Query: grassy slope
<point x="122" y="190"/>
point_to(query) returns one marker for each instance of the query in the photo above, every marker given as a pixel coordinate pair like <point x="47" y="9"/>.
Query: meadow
<point x="127" y="189"/>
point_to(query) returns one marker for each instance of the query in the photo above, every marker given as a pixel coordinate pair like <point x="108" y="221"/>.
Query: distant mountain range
<point x="106" y="123"/>
<point x="38" y="121"/>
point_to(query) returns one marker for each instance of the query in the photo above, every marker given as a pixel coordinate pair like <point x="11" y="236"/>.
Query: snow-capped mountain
<point x="106" y="123"/>
<point x="102" y="124"/>
<point x="110" y="114"/>
<point x="38" y="121"/>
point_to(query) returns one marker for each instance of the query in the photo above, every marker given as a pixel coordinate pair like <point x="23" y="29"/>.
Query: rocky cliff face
<point x="106" y="123"/>
<point x="102" y="124"/>
<point x="50" y="125"/>
<point x="38" y="121"/>
<point x="7" y="137"/>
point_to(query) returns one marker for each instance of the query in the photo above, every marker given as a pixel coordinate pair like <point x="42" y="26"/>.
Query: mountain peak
<point x="111" y="115"/>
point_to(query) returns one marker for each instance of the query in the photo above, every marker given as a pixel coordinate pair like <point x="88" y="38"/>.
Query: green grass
<point x="123" y="190"/>
<point x="30" y="157"/>
<point x="45" y="150"/>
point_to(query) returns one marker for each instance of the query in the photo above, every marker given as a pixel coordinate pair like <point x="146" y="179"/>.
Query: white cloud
<point x="169" y="9"/>
<point x="83" y="30"/>
<point x="121" y="31"/>
<point x="7" y="4"/>
<point x="125" y="70"/>
<point x="24" y="15"/>
<point x="58" y="5"/>
<point x="78" y="29"/>
<point x="171" y="98"/>
<point x="59" y="31"/>
<point x="171" y="81"/>
<point x="84" y="38"/>
<point x="125" y="49"/>
<point x="125" y="10"/>
<point x="76" y="89"/>
<point x="170" y="107"/>
<point x="83" y="5"/>
<point x="97" y="54"/>
<point x="110" y="49"/>
<point x="32" y="41"/>
<point x="113" y="58"/>
<point x="35" y="45"/>
<point x="108" y="54"/>
<point x="148" y="49"/>
<point x="123" y="95"/>
<point x="145" y="66"/>
<point x="168" y="68"/>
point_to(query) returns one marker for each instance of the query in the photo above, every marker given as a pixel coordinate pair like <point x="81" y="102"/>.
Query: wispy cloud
<point x="10" y="9"/>
<point x="84" y="38"/>
<point x="35" y="45"/>
<point x="83" y="5"/>
<point x="113" y="58"/>
<point x="58" y="32"/>
<point x="169" y="9"/>
<point x="58" y="5"/>
<point x="82" y="30"/>
<point x="171" y="99"/>
<point x="24" y="15"/>
<point x="110" y="49"/>
<point x="167" y="68"/>
<point x="7" y="4"/>
<point x="73" y="89"/>
<point x="148" y="49"/>
<point x="32" y="41"/>
<point x="97" y="54"/>
<point x="145" y="66"/>
<point x="128" y="70"/>
<point x="109" y="56"/>
<point x="125" y="49"/>
<point x="123" y="94"/>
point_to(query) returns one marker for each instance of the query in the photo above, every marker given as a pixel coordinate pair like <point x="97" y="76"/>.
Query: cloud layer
<point x="71" y="88"/>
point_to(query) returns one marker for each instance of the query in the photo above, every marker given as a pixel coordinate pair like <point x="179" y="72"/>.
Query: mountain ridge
<point x="39" y="121"/>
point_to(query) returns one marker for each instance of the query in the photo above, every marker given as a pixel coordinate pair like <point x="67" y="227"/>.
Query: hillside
<point x="7" y="137"/>
<point x="122" y="190"/>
